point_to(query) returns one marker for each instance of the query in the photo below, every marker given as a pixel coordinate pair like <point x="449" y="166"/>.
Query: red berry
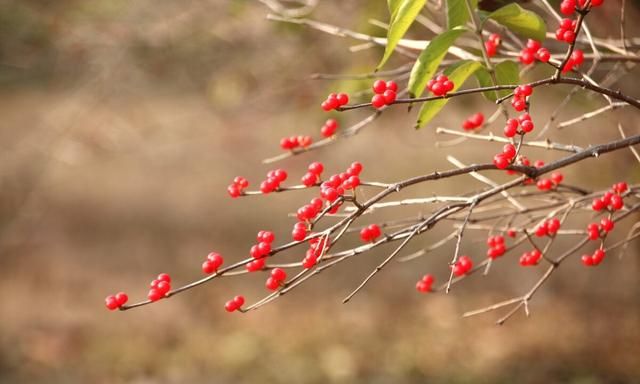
<point x="299" y="233"/>
<point x="272" y="284"/>
<point x="598" y="205"/>
<point x="391" y="85"/>
<point x="378" y="101"/>
<point x="509" y="150"/>
<point x="234" y="191"/>
<point x="587" y="260"/>
<point x="111" y="302"/>
<point x="501" y="161"/>
<point x="511" y="128"/>
<point x="543" y="55"/>
<point x="527" y="126"/>
<point x="239" y="301"/>
<point x="155" y="295"/>
<point x="164" y="277"/>
<point x="557" y="177"/>
<point x="526" y="57"/>
<point x="511" y="232"/>
<point x="342" y="99"/>
<point x="389" y="96"/>
<point x="607" y="224"/>
<point x="316" y="168"/>
<point x="598" y="256"/>
<point x="616" y="202"/>
<point x="230" y="306"/>
<point x="279" y="274"/>
<point x="620" y="187"/>
<point x="310" y="179"/>
<point x="379" y="86"/>
<point x="208" y="267"/>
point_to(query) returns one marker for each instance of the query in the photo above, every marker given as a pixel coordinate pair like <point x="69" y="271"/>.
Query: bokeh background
<point x="121" y="123"/>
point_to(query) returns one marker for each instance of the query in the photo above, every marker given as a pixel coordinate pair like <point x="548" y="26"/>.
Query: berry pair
<point x="545" y="184"/>
<point x="116" y="301"/>
<point x="293" y="142"/>
<point x="530" y="259"/>
<point x="278" y="276"/>
<point x="212" y="263"/>
<point x="567" y="7"/>
<point x="520" y="97"/>
<point x="502" y="160"/>
<point x="496" y="246"/>
<point x="384" y="93"/>
<point x="492" y="44"/>
<point x="317" y="247"/>
<point x="462" y="266"/>
<point x="334" y="100"/>
<point x="576" y="58"/>
<point x="329" y="128"/>
<point x="523" y="124"/>
<point x="472" y="122"/>
<point x="273" y="180"/>
<point x="234" y="304"/>
<point x="566" y="31"/>
<point x="309" y="211"/>
<point x="313" y="174"/>
<point x="594" y="259"/>
<point x="263" y="246"/>
<point x="548" y="228"/>
<point x="424" y="285"/>
<point x="159" y="287"/>
<point x="440" y="85"/>
<point x="532" y="51"/>
<point x="237" y="186"/>
<point x="593" y="229"/>
<point x="370" y="233"/>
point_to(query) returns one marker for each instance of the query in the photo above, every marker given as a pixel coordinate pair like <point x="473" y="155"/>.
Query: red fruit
<point x="616" y="202"/>
<point x="356" y="167"/>
<point x="375" y="231"/>
<point x="518" y="104"/>
<point x="240" y="182"/>
<point x="342" y="99"/>
<point x="568" y="36"/>
<point x="448" y="86"/>
<point x="552" y="226"/>
<point x="587" y="260"/>
<point x="567" y="7"/>
<point x="208" y="267"/>
<point x="164" y="277"/>
<point x="544" y="184"/>
<point x="379" y="86"/>
<point x="238" y="301"/>
<point x="111" y="302"/>
<point x="438" y="89"/>
<point x="541" y="230"/>
<point x="526" y="57"/>
<point x="266" y="236"/>
<point x="391" y="85"/>
<point x="501" y="161"/>
<point x="316" y="168"/>
<point x="620" y="187"/>
<point x="264" y="248"/>
<point x="329" y="128"/>
<point x="255" y="265"/>
<point x="577" y="56"/>
<point x="234" y="191"/>
<point x="509" y="150"/>
<point x="121" y="298"/>
<point x="543" y="55"/>
<point x="533" y="45"/>
<point x="279" y="274"/>
<point x="309" y="179"/>
<point x="598" y="256"/>
<point x="511" y="128"/>
<point x="527" y="126"/>
<point x="272" y="284"/>
<point x="378" y="101"/>
<point x="422" y="287"/>
<point x="557" y="177"/>
<point x="155" y="295"/>
<point x="389" y="96"/>
<point x="230" y="306"/>
<point x="598" y="205"/>
<point x="299" y="233"/>
<point x="511" y="232"/>
<point x="216" y="259"/>
<point x="607" y="224"/>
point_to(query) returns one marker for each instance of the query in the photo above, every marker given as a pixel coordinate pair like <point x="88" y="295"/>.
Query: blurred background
<point x="122" y="123"/>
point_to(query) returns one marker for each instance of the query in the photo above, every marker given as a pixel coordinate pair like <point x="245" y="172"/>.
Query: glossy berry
<point x="440" y="85"/>
<point x="279" y="274"/>
<point x="329" y="128"/>
<point x="111" y="302"/>
<point x="272" y="284"/>
<point x="378" y="101"/>
<point x="462" y="266"/>
<point x="424" y="285"/>
<point x="472" y="122"/>
<point x="370" y="233"/>
<point x="607" y="224"/>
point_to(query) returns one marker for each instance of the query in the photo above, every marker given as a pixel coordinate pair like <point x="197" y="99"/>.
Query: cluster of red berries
<point x="116" y="301"/>
<point x="496" y="246"/>
<point x="370" y="233"/>
<point x="532" y="51"/>
<point x="313" y="174"/>
<point x="567" y="7"/>
<point x="548" y="228"/>
<point x="273" y="180"/>
<point x="492" y="44"/>
<point x="159" y="287"/>
<point x="553" y="181"/>
<point x="462" y="266"/>
<point x="520" y="95"/>
<point x="263" y="246"/>
<point x="234" y="304"/>
<point x="334" y="100"/>
<point x="594" y="259"/>
<point x="237" y="186"/>
<point x="329" y="128"/>
<point x="611" y="200"/>
<point x="530" y="259"/>
<point x="384" y="93"/>
<point x="317" y="246"/>
<point x="523" y="124"/>
<point x="335" y="186"/>
<point x="293" y="142"/>
<point x="440" y="85"/>
<point x="575" y="60"/>
<point x="424" y="285"/>
<point x="278" y="276"/>
<point x="472" y="122"/>
<point x="502" y="160"/>
<point x="593" y="229"/>
<point x="566" y="30"/>
<point x="212" y="263"/>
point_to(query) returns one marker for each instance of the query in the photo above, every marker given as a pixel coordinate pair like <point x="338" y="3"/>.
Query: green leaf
<point x="506" y="73"/>
<point x="393" y="8"/>
<point x="457" y="12"/>
<point x="427" y="63"/>
<point x="405" y="14"/>
<point x="457" y="73"/>
<point x="521" y="21"/>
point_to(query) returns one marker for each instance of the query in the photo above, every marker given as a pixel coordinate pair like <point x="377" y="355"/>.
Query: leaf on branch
<point x="457" y="12"/>
<point x="458" y="74"/>
<point x="506" y="73"/>
<point x="519" y="20"/>
<point x="405" y="13"/>
<point x="429" y="60"/>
